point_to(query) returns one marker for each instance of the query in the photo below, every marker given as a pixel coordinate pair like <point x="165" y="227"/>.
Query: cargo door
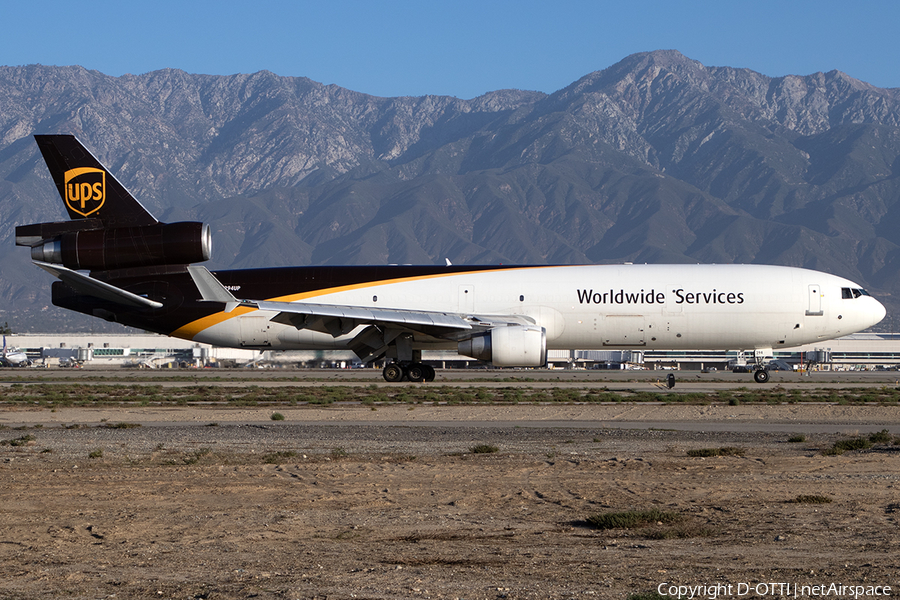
<point x="255" y="331"/>
<point x="624" y="330"/>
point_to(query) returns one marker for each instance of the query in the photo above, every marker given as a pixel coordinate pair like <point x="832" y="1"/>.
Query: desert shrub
<point x="725" y="451"/>
<point x="881" y="437"/>
<point x="273" y="458"/>
<point x="632" y="519"/>
<point x="841" y="446"/>
<point x="484" y="449"/>
<point x="811" y="499"/>
<point x="19" y="441"/>
<point x="653" y="524"/>
<point x="687" y="529"/>
<point x="703" y="452"/>
<point x="731" y="451"/>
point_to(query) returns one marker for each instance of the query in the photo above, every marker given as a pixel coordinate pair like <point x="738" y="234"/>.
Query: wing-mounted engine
<point x="508" y="346"/>
<point x="86" y="244"/>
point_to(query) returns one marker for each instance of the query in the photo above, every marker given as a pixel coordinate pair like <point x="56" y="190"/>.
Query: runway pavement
<point x="631" y="380"/>
<point x="800" y="417"/>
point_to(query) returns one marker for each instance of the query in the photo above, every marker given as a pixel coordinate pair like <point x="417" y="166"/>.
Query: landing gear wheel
<point x="416" y="372"/>
<point x="393" y="373"/>
<point x="761" y="376"/>
<point x="429" y="372"/>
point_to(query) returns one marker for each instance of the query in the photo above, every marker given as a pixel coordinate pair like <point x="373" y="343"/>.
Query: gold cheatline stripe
<point x="190" y="330"/>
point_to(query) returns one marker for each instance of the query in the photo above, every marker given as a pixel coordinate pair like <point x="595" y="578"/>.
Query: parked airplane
<point x="12" y="357"/>
<point x="142" y="273"/>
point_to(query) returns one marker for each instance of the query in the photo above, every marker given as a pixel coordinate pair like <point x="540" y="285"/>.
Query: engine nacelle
<point x="125" y="247"/>
<point x="512" y="346"/>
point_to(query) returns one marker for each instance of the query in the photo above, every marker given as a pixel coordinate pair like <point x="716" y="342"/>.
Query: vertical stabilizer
<point x="87" y="188"/>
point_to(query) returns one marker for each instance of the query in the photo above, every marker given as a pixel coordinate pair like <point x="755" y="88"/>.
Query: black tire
<point x="393" y="373"/>
<point x="761" y="376"/>
<point x="429" y="373"/>
<point x="416" y="372"/>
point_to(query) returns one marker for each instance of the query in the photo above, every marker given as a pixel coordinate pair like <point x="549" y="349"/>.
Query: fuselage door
<point x="815" y="301"/>
<point x="624" y="330"/>
<point x="255" y="331"/>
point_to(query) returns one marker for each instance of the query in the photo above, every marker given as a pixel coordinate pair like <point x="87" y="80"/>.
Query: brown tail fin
<point x="86" y="187"/>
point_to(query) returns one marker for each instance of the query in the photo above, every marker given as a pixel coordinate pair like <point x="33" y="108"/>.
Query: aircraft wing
<point x="301" y="315"/>
<point x="341" y="320"/>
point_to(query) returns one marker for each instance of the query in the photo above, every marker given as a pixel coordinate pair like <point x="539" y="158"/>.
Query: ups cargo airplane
<point x="143" y="273"/>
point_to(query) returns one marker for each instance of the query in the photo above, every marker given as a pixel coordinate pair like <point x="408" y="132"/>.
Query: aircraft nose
<point x="878" y="312"/>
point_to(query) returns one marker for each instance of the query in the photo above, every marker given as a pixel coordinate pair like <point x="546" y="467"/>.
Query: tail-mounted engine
<point x="86" y="244"/>
<point x="511" y="346"/>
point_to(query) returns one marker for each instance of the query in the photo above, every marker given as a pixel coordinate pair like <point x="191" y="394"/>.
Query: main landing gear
<point x="411" y="371"/>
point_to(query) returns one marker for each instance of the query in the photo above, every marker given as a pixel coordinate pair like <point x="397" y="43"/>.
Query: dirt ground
<point x="220" y="503"/>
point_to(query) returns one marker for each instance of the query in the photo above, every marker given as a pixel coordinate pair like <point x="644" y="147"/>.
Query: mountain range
<point x="656" y="159"/>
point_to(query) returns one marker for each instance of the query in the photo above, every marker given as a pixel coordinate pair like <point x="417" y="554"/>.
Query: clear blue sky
<point x="461" y="48"/>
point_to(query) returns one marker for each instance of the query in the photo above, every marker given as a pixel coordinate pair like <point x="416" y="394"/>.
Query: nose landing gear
<point x="758" y="364"/>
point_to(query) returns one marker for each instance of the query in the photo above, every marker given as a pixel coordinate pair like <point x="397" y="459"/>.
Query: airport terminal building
<point x="862" y="351"/>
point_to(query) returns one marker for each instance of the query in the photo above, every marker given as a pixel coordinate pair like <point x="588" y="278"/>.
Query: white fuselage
<point x="727" y="307"/>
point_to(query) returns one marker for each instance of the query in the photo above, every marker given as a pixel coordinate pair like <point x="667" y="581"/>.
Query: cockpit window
<point x="850" y="293"/>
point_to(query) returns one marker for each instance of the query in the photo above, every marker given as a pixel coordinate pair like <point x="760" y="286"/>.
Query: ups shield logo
<point x="85" y="190"/>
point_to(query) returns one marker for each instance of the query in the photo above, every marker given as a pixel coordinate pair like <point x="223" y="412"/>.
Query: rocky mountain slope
<point x="655" y="159"/>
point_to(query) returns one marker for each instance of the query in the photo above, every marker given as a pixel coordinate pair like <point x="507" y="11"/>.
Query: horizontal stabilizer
<point x="84" y="284"/>
<point x="38" y="233"/>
